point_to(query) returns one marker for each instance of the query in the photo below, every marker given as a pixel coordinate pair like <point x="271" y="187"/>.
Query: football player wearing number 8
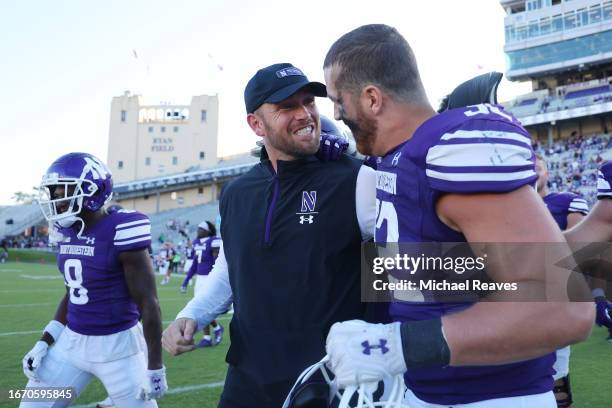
<point x="464" y="175"/>
<point x="110" y="286"/>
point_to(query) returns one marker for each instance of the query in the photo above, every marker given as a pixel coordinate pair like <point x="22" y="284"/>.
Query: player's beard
<point x="284" y="142"/>
<point x="364" y="131"/>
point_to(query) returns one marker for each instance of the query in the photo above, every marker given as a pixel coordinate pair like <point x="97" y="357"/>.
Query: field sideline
<point x="30" y="292"/>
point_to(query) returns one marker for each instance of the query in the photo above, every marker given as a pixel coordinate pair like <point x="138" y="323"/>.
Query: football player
<point x="165" y="256"/>
<point x="189" y="254"/>
<point x="464" y="175"/>
<point x="110" y="286"/>
<point x="206" y="247"/>
<point x="567" y="209"/>
<point x="597" y="227"/>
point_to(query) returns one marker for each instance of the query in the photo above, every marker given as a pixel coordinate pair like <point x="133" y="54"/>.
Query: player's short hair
<point x="376" y="54"/>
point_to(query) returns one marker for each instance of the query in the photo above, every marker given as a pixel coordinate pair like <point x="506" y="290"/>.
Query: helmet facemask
<point x="388" y="393"/>
<point x="75" y="192"/>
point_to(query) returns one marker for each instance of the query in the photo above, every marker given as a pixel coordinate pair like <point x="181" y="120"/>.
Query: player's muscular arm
<point x="60" y="316"/>
<point x="499" y="332"/>
<point x="597" y="226"/>
<point x="573" y="219"/>
<point x="141" y="284"/>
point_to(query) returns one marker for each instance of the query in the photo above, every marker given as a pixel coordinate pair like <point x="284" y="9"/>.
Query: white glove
<point x="154" y="386"/>
<point x="361" y="352"/>
<point x="33" y="360"/>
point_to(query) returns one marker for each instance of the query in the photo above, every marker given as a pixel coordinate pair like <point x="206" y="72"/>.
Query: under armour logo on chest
<point x="90" y="241"/>
<point x="396" y="158"/>
<point x="382" y="345"/>
<point x="309" y="219"/>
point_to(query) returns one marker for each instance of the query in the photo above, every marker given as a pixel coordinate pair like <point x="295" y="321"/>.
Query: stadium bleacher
<point x="167" y="224"/>
<point x="572" y="96"/>
<point x="588" y="92"/>
<point x="573" y="163"/>
<point x="14" y="219"/>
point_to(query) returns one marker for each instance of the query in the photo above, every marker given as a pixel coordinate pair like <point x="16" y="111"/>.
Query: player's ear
<point x="372" y="99"/>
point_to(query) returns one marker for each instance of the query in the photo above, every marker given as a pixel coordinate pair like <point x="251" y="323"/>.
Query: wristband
<point x="598" y="293"/>
<point x="54" y="328"/>
<point x="424" y="344"/>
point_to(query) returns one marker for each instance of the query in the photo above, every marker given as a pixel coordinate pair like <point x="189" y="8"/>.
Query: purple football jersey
<point x="561" y="205"/>
<point x="189" y="252"/>
<point x="204" y="259"/>
<point x="604" y="180"/>
<point x="476" y="149"/>
<point x="99" y="299"/>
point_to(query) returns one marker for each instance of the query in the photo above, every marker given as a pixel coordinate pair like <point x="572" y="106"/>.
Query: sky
<point x="63" y="61"/>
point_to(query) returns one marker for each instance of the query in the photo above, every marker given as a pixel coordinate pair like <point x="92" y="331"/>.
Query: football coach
<point x="292" y="228"/>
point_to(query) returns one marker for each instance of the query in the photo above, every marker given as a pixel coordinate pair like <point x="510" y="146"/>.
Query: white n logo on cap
<point x="285" y="72"/>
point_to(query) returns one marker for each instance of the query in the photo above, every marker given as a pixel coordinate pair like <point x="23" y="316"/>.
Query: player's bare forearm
<point x="141" y="284"/>
<point x="60" y="316"/>
<point x="527" y="246"/>
<point x="152" y="328"/>
<point x="62" y="310"/>
<point x="596" y="227"/>
<point x="497" y="333"/>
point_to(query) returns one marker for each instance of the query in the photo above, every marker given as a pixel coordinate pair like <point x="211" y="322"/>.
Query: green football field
<point x="29" y="294"/>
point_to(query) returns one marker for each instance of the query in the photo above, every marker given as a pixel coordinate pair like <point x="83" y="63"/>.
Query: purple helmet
<point x="328" y="127"/>
<point x="87" y="185"/>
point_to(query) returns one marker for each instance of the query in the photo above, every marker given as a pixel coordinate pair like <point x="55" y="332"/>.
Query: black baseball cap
<point x="276" y="83"/>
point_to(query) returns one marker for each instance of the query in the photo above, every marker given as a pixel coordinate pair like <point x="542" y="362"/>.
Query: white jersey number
<point x="486" y="109"/>
<point x="386" y="211"/>
<point x="73" y="273"/>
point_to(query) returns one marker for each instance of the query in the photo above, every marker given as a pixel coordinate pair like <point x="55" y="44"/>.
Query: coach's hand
<point x="178" y="337"/>
<point x="33" y="359"/>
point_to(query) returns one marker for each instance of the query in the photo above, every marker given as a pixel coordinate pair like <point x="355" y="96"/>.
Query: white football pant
<point x="119" y="362"/>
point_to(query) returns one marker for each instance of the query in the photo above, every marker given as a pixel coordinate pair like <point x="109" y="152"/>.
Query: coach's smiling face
<point x="291" y="127"/>
<point x="352" y="107"/>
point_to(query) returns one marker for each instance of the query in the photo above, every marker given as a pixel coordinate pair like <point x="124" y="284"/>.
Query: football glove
<point x="604" y="312"/>
<point x="154" y="385"/>
<point x="361" y="352"/>
<point x="33" y="359"/>
<point x="331" y="147"/>
<point x="333" y="143"/>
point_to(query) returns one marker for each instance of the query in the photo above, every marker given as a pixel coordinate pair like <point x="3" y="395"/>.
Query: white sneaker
<point x="107" y="403"/>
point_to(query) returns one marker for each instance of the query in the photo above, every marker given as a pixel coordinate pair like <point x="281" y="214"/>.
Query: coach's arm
<point x="214" y="299"/>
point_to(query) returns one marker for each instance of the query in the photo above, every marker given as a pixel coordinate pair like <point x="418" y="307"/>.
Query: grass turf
<point x="29" y="294"/>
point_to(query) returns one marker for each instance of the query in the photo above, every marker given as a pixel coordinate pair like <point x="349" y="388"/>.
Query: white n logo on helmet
<point x="96" y="168"/>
